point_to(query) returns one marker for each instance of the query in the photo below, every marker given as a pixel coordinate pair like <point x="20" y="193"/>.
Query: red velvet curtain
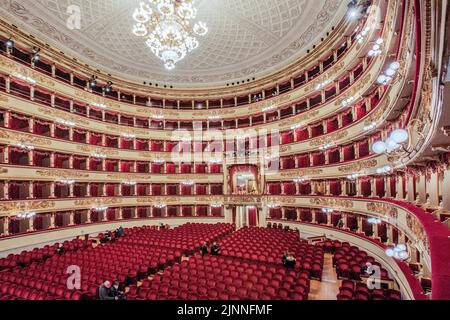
<point x="200" y="189"/>
<point x="288" y="163"/>
<point x="170" y="168"/>
<point x="275" y="213"/>
<point x="156" y="189"/>
<point x="252" y="216"/>
<point x="366" y="188"/>
<point x="380" y="186"/>
<point x="302" y="134"/>
<point x="215" y="168"/>
<point x="349" y="153"/>
<point x="274" y="188"/>
<point x="216" y="189"/>
<point x="305" y="215"/>
<point x="202" y="211"/>
<point x="303" y="161"/>
<point x="142" y="145"/>
<point x="335" y="187"/>
<point x="289" y="188"/>
<point x="186" y="190"/>
<point x="186" y="168"/>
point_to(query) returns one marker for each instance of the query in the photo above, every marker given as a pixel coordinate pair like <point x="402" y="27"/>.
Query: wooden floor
<point x="328" y="288"/>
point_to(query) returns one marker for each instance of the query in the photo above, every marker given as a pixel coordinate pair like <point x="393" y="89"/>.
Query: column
<point x="52" y="190"/>
<point x="359" y="219"/>
<point x="387" y="186"/>
<point x="446" y="191"/>
<point x="422" y="188"/>
<point x="329" y="219"/>
<point x="390" y="234"/>
<point x="313" y="212"/>
<point x="343" y="187"/>
<point x="375" y="230"/>
<point x="358" y="188"/>
<point x="52" y="220"/>
<point x="71" y="218"/>
<point x="373" y="187"/>
<point x="344" y="217"/>
<point x="6" y="226"/>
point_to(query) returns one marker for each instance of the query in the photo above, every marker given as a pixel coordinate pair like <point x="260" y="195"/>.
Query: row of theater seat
<point x="187" y="238"/>
<point x="128" y="262"/>
<point x="350" y="262"/>
<point x="351" y="290"/>
<point x="25" y="258"/>
<point x="268" y="246"/>
<point x="223" y="278"/>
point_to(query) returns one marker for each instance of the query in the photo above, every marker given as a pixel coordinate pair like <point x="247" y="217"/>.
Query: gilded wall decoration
<point x="358" y="166"/>
<point x="3" y="170"/>
<point x="24" y="206"/>
<point x="383" y="209"/>
<point x="62" y="174"/>
<point x="63" y="116"/>
<point x="329" y="138"/>
<point x="416" y="227"/>
<point x="24" y="138"/>
<point x="98" y="150"/>
<point x="301" y="173"/>
<point x="300" y="119"/>
<point x="97" y="202"/>
<point x="281" y="200"/>
<point x="229" y="200"/>
<point x="159" y="199"/>
<point x="3" y="98"/>
<point x="332" y="202"/>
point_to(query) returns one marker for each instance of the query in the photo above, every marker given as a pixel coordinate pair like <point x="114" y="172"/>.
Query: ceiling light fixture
<point x="167" y="27"/>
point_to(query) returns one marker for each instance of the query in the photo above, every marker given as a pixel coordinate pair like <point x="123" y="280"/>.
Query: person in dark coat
<point x="204" y="249"/>
<point x="215" y="249"/>
<point x="104" y="292"/>
<point x="115" y="292"/>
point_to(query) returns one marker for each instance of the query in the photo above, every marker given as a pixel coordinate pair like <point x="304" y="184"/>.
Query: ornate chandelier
<point x="166" y="24"/>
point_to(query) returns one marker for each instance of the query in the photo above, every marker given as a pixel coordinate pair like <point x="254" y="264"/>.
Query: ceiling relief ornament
<point x="358" y="166"/>
<point x="246" y="38"/>
<point x="332" y="203"/>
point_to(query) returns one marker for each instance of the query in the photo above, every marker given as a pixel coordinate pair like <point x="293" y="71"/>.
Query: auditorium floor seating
<point x="164" y="264"/>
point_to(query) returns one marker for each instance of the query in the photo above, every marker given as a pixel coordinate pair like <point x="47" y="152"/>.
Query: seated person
<point x="60" y="250"/>
<point x="104" y="292"/>
<point x="288" y="260"/>
<point x="115" y="292"/>
<point x="204" y="249"/>
<point x="215" y="249"/>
